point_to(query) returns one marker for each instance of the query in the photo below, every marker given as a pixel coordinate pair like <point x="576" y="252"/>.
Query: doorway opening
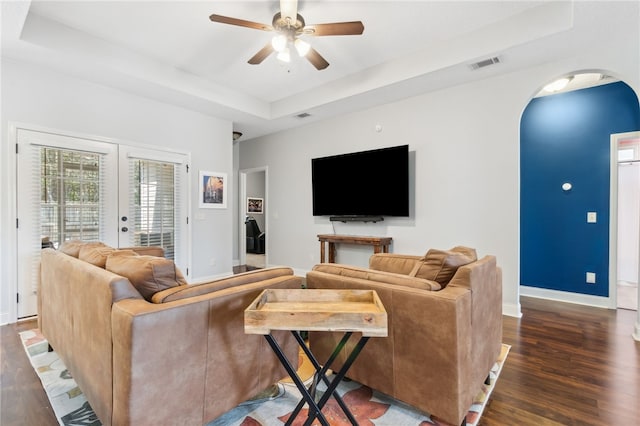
<point x="253" y="219"/>
<point x="625" y="156"/>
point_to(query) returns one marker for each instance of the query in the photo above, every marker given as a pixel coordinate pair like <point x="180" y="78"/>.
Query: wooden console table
<point x="380" y="244"/>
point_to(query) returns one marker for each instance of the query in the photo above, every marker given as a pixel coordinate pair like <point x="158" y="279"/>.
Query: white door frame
<point x="27" y="243"/>
<point x="613" y="217"/>
<point x="242" y="234"/>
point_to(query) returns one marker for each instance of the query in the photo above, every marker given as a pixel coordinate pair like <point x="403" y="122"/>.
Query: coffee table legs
<point x="308" y="394"/>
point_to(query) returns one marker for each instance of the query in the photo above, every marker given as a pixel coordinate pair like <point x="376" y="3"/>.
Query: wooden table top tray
<point x="317" y="310"/>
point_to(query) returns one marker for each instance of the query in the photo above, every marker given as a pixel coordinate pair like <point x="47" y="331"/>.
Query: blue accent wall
<point x="566" y="138"/>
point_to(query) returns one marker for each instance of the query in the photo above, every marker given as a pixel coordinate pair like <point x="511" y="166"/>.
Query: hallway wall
<point x="566" y="138"/>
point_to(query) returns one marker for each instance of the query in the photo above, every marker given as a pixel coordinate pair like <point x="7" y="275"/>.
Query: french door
<point x="153" y="205"/>
<point x="77" y="188"/>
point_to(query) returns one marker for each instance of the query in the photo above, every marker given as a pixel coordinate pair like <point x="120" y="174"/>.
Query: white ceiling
<point x="171" y="51"/>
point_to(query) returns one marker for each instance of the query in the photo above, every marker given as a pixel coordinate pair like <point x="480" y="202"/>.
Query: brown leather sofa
<point x="146" y="357"/>
<point x="445" y="327"/>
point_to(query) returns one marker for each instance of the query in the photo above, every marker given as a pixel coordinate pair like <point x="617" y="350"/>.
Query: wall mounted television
<point x="361" y="185"/>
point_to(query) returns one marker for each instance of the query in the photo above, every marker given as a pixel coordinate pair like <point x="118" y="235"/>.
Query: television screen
<point x="367" y="183"/>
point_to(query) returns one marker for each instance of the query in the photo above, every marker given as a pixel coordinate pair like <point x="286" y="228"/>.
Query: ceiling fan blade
<point x="316" y="59"/>
<point x="335" y="28"/>
<point x="262" y="54"/>
<point x="289" y="9"/>
<point x="240" y="22"/>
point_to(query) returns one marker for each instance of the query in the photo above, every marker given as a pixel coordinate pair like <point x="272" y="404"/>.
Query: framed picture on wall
<point x="254" y="205"/>
<point x="212" y="190"/>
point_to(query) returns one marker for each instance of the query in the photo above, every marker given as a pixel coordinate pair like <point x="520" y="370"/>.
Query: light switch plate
<point x="591" y="277"/>
<point x="592" y="217"/>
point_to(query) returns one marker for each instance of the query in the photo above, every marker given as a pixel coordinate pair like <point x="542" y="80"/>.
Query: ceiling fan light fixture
<point x="302" y="47"/>
<point x="284" y="55"/>
<point x="279" y="42"/>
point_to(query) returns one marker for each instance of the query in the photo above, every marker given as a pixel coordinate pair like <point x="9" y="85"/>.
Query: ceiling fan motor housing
<point x="285" y="26"/>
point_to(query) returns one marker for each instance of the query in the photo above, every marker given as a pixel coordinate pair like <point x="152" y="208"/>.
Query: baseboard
<point x="636" y="332"/>
<point x="511" y="310"/>
<point x="567" y="297"/>
<point x="4" y="318"/>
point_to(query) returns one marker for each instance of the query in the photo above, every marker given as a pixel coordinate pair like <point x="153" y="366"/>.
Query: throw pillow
<point x="95" y="254"/>
<point x="72" y="247"/>
<point x="148" y="274"/>
<point x="441" y="265"/>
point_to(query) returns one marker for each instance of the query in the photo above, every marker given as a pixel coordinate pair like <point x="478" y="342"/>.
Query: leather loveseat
<point x="145" y="347"/>
<point x="445" y="327"/>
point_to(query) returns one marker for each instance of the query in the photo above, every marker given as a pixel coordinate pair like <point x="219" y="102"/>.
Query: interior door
<point x="63" y="192"/>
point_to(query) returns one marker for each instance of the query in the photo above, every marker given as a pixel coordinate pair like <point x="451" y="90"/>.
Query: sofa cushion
<point x="379" y="276"/>
<point x="392" y="262"/>
<point x="441" y="265"/>
<point x="72" y="247"/>
<point x="148" y="274"/>
<point x="96" y="254"/>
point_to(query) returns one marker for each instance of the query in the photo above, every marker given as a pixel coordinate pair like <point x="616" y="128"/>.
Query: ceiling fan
<point x="289" y="26"/>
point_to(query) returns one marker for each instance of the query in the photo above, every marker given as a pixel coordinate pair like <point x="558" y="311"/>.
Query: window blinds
<point x="69" y="195"/>
<point x="154" y="204"/>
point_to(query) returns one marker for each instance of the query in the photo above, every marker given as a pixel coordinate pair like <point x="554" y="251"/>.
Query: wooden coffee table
<point x="347" y="311"/>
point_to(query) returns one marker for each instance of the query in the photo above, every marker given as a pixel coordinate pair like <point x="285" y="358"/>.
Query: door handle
<point x="124" y="229"/>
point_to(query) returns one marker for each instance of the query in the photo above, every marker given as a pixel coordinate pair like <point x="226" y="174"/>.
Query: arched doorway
<point x="565" y="158"/>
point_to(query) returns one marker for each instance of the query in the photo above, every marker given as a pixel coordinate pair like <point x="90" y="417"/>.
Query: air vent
<point x="485" y="63"/>
<point x="303" y="115"/>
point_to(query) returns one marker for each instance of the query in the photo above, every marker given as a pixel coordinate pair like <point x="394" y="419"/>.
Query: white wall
<point x="37" y="97"/>
<point x="465" y="146"/>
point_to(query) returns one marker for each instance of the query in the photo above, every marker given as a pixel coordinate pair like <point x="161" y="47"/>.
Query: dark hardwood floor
<point x="22" y="398"/>
<point x="244" y="268"/>
<point x="568" y="365"/>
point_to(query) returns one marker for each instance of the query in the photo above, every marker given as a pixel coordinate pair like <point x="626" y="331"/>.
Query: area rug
<point x="368" y="406"/>
<point x="67" y="400"/>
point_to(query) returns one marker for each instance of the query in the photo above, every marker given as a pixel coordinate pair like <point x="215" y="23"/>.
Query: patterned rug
<point x="67" y="400"/>
<point x="368" y="406"/>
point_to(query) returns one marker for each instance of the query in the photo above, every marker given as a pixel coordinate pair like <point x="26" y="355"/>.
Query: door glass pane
<point x="154" y="204"/>
<point x="69" y="195"/>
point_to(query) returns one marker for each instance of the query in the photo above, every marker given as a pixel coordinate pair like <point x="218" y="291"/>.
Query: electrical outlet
<point x="591" y="277"/>
<point x="592" y="217"/>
